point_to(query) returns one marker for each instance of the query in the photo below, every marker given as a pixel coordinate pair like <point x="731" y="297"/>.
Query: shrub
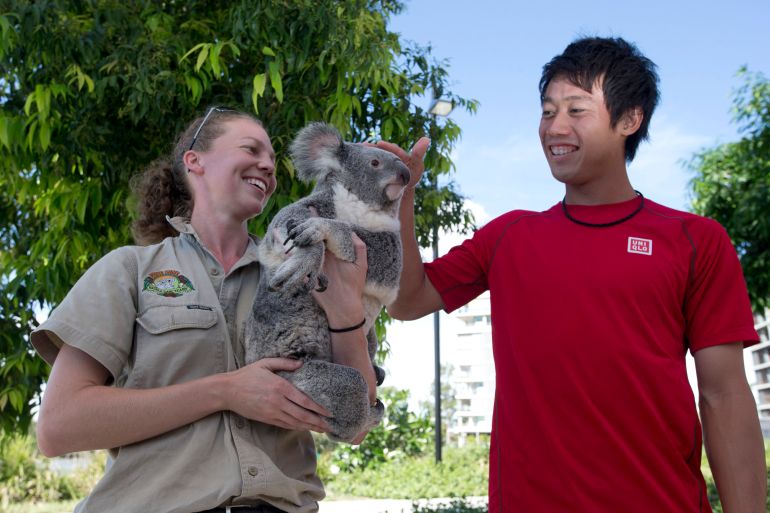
<point x="401" y="434"/>
<point x="25" y="476"/>
<point x="463" y="472"/>
<point x="455" y="506"/>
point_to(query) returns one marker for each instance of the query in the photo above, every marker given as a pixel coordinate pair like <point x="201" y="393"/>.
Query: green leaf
<point x="266" y="50"/>
<point x="275" y="80"/>
<point x="204" y="53"/>
<point x="258" y="89"/>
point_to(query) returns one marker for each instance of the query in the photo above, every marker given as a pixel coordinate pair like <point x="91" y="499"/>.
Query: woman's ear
<point x="191" y="161"/>
<point x="631" y="121"/>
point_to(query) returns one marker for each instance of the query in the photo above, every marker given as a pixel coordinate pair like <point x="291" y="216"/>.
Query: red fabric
<point x="593" y="409"/>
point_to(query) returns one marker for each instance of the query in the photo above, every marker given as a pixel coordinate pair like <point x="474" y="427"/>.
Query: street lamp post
<point x="442" y="108"/>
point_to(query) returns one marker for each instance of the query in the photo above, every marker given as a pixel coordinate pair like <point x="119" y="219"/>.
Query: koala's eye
<point x="375" y="163"/>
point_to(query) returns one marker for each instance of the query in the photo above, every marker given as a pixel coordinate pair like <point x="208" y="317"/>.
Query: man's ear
<point x="191" y="161"/>
<point x="631" y="121"/>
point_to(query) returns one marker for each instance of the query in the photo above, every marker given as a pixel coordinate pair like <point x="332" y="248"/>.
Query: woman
<point x="147" y="347"/>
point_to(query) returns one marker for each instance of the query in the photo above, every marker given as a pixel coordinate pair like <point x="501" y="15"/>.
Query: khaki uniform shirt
<point x="163" y="314"/>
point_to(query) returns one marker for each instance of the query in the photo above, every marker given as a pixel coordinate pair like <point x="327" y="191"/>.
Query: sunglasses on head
<point x="205" y="118"/>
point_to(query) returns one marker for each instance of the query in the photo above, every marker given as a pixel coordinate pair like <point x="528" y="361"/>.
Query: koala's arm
<point x="417" y="296"/>
<point x="338" y="236"/>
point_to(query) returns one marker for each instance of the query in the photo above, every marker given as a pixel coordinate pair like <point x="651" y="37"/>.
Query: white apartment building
<point x="468" y="341"/>
<point x="758" y="369"/>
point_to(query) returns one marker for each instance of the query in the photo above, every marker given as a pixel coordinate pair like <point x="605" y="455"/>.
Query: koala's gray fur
<point x="358" y="190"/>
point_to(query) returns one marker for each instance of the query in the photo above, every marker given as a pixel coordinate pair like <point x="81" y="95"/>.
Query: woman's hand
<point x="341" y="301"/>
<point x="257" y="393"/>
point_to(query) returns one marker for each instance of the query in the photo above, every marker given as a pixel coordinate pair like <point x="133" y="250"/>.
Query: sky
<point x="495" y="52"/>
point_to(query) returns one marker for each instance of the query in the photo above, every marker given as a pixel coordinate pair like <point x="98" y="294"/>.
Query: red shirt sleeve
<point x="717" y="306"/>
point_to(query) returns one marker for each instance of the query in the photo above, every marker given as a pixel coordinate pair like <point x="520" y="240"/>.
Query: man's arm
<point x="732" y="435"/>
<point x="416" y="295"/>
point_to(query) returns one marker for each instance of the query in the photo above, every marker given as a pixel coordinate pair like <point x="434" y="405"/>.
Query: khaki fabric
<point x="165" y="314"/>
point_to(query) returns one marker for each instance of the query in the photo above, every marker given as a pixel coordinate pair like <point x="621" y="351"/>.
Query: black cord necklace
<point x="603" y="225"/>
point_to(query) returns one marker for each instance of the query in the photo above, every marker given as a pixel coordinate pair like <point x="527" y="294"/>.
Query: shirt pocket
<point x="174" y="344"/>
<point x="162" y="318"/>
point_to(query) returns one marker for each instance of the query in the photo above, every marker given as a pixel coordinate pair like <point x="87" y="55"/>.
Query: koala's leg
<point x="336" y="234"/>
<point x="300" y="270"/>
<point x="340" y="389"/>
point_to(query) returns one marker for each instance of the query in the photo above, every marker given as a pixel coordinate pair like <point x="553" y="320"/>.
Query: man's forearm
<point x="735" y="449"/>
<point x="416" y="296"/>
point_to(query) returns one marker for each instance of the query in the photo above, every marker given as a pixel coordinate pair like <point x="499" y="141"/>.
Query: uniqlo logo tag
<point x="640" y="246"/>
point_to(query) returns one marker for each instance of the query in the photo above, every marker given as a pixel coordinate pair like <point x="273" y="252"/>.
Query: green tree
<point x="732" y="184"/>
<point x="92" y="91"/>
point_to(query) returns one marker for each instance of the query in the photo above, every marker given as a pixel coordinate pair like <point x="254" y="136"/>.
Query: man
<point x="595" y="303"/>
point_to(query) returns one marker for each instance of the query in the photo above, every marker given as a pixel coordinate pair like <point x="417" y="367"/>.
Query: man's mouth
<point x="562" y="149"/>
<point x="256" y="182"/>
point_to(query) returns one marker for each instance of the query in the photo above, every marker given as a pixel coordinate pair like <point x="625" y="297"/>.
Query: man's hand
<point x="413" y="159"/>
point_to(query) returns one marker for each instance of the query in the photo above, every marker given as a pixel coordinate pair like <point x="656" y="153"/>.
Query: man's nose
<point x="558" y="125"/>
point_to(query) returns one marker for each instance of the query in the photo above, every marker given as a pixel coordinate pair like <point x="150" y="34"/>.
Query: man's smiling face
<point x="575" y="132"/>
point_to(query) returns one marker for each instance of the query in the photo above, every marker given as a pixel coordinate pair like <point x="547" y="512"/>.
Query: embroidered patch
<point x="168" y="283"/>
<point x="640" y="246"/>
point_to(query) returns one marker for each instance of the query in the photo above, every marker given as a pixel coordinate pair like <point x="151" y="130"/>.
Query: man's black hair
<point x="628" y="79"/>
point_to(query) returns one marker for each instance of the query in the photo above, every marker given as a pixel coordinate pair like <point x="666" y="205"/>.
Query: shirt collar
<point x="183" y="226"/>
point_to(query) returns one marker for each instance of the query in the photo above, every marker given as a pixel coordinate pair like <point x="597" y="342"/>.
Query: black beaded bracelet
<point x="349" y="328"/>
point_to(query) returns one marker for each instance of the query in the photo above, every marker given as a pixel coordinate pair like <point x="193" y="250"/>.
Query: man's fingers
<point x="420" y="148"/>
<point x="393" y="148"/>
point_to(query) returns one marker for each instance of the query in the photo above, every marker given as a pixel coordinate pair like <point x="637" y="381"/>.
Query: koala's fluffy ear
<point x="316" y="151"/>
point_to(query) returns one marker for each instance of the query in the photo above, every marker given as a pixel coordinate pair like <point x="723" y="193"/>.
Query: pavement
<point x="385" y="505"/>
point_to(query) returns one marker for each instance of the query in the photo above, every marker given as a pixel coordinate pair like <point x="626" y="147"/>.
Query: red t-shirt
<point x="590" y="326"/>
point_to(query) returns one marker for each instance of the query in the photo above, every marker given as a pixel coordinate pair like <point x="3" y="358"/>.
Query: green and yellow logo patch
<point x="168" y="283"/>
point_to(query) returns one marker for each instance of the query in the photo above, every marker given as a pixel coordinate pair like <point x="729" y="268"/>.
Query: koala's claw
<point x="323" y="283"/>
<point x="290" y="247"/>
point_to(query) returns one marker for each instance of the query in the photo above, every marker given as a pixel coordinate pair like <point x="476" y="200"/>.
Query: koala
<point x="357" y="190"/>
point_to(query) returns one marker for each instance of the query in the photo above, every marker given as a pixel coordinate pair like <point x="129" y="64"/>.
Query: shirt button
<point x="253" y="471"/>
<point x="214" y="271"/>
<point x="239" y="423"/>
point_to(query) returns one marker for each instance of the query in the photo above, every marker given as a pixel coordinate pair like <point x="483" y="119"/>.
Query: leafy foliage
<point x="25" y="477"/>
<point x="463" y="472"/>
<point x="400" y="435"/>
<point x="454" y="506"/>
<point x="91" y="92"/>
<point x="732" y="184"/>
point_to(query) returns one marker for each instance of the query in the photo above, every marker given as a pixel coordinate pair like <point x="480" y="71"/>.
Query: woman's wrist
<point x="348" y="328"/>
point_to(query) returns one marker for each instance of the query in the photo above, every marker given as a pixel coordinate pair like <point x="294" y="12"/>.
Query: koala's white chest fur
<point x="351" y="209"/>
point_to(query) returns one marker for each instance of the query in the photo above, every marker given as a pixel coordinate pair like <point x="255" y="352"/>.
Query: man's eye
<point x="576" y="110"/>
<point x="547" y="113"/>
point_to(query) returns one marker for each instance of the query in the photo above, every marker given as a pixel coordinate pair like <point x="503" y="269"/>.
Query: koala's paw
<point x="376" y="412"/>
<point x="300" y="271"/>
<point x="308" y="232"/>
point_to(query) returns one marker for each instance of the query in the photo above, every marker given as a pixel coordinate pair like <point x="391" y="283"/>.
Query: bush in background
<point x="463" y="472"/>
<point x="26" y="476"/>
<point x="401" y="434"/>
